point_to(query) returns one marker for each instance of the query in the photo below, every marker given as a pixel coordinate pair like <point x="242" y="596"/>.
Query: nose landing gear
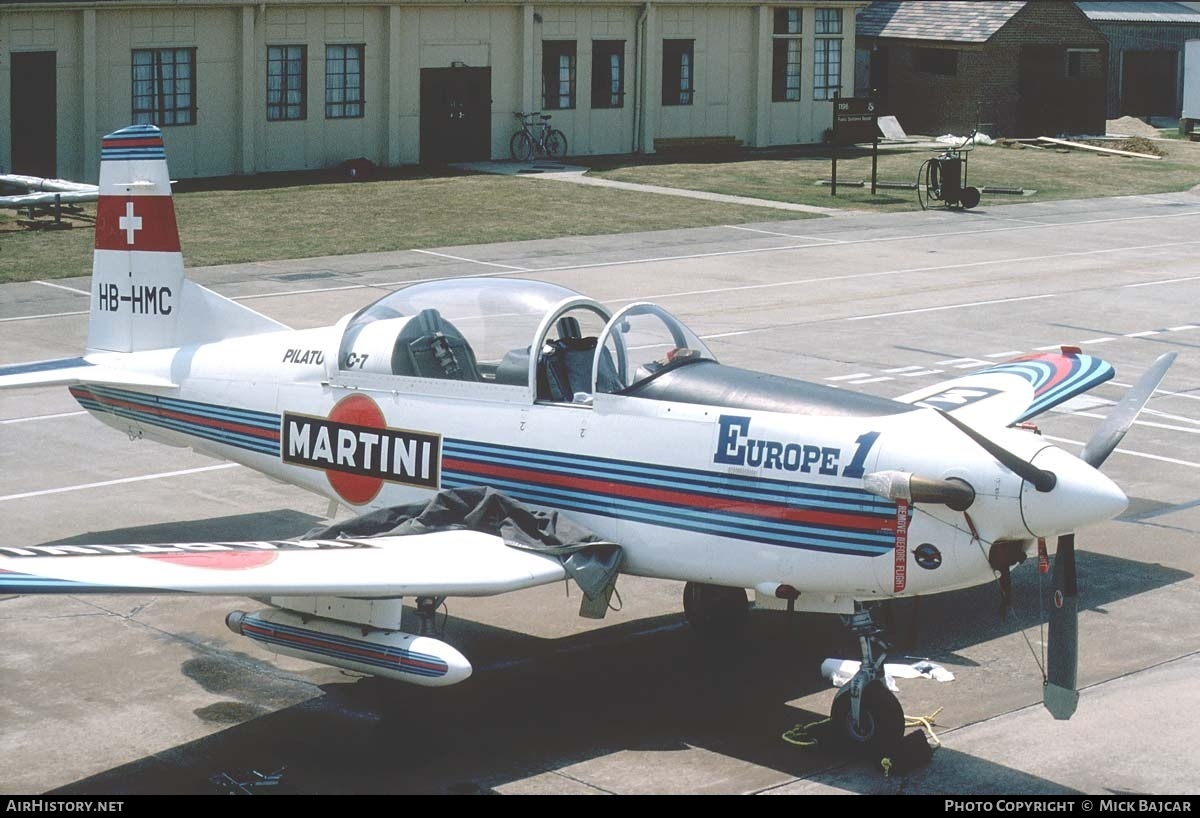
<point x="866" y="717"/>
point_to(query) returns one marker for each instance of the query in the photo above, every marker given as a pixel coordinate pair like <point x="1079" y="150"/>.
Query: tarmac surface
<point x="123" y="694"/>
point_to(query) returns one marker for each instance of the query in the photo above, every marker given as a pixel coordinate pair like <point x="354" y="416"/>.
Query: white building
<point x="245" y="87"/>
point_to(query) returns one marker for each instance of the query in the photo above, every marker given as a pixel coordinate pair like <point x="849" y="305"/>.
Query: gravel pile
<point x="1131" y="126"/>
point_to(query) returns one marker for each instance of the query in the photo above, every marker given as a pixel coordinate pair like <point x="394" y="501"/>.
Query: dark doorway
<point x="1051" y="101"/>
<point x="879" y="77"/>
<point x="456" y="111"/>
<point x="34" y="113"/>
<point x="1148" y="83"/>
<point x="1037" y="111"/>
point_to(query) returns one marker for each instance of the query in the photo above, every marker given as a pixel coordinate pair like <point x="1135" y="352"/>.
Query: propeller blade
<point x="1062" y="660"/>
<point x="1041" y="479"/>
<point x="1114" y="427"/>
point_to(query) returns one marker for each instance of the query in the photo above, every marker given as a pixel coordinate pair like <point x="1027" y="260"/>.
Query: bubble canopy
<point x="482" y="330"/>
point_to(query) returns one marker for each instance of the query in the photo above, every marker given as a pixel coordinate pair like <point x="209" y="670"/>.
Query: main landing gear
<point x="866" y="717"/>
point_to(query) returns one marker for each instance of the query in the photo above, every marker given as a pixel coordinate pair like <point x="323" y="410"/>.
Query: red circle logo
<point x="217" y="560"/>
<point x="1058" y="599"/>
<point x="356" y="410"/>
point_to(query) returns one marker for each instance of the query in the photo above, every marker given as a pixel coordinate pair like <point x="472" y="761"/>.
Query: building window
<point x="1074" y="63"/>
<point x="608" y="74"/>
<point x="785" y="57"/>
<point x="829" y="21"/>
<point x="679" y="72"/>
<point x="937" y="61"/>
<point x="787" y="21"/>
<point x="287" y="90"/>
<point x="827" y="54"/>
<point x="558" y="74"/>
<point x="344" y="96"/>
<point x="1078" y="58"/>
<point x="164" y="86"/>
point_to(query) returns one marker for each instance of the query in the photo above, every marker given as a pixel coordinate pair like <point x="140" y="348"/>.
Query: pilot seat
<point x="429" y="346"/>
<point x="565" y="366"/>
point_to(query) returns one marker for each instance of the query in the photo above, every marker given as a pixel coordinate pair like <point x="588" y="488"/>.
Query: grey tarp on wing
<point x="591" y="561"/>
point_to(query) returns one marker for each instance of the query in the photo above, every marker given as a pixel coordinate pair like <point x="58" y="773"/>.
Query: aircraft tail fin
<point x="141" y="298"/>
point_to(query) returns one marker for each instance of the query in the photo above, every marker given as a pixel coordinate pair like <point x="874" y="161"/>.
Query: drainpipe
<point x="639" y="42"/>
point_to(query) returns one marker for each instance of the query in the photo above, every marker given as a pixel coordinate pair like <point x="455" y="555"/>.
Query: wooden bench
<point x="710" y="145"/>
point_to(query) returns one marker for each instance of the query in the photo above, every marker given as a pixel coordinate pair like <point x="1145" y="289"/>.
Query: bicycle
<point x="532" y="140"/>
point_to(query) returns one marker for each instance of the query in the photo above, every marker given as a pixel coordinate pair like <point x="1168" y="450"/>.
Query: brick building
<point x="1017" y="68"/>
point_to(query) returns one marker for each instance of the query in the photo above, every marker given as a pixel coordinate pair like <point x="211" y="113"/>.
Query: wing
<point x="1015" y="390"/>
<point x="443" y="563"/>
<point x="67" y="197"/>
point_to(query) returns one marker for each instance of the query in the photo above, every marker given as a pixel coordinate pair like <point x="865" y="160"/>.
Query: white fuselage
<point x="699" y="493"/>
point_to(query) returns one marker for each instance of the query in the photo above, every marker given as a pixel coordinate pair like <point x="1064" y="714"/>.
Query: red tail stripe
<point x="134" y="142"/>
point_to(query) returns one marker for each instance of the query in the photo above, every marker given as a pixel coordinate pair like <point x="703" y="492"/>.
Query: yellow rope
<point x="800" y="736"/>
<point x="926" y="723"/>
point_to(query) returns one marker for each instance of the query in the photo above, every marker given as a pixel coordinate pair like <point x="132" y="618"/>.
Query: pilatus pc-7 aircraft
<point x="726" y="479"/>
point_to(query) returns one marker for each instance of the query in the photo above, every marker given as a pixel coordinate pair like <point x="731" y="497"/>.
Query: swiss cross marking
<point x="129" y="223"/>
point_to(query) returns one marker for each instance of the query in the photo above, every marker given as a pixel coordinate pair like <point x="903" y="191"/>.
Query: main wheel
<point x="556" y="144"/>
<point x="714" y="610"/>
<point x="969" y="197"/>
<point x="521" y="146"/>
<point x="880" y="721"/>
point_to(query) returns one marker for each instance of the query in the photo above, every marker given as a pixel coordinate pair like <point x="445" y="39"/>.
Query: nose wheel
<point x="866" y="717"/>
<point x="880" y="724"/>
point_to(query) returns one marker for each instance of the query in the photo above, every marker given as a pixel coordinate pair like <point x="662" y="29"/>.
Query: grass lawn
<point x="290" y="216"/>
<point x="226" y="226"/>
<point x="1071" y="175"/>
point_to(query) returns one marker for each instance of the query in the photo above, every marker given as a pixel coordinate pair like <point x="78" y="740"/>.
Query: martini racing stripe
<point x="134" y="142"/>
<point x="709" y="503"/>
<point x="264" y="421"/>
<point x="107" y="154"/>
<point x="243" y="428"/>
<point x="703" y="522"/>
<point x="1056" y="377"/>
<point x="367" y="653"/>
<point x="724" y="485"/>
<point x="831" y="519"/>
<point x="818" y="518"/>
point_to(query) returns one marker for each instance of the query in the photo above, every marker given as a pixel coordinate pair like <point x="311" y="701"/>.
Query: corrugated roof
<point x="1140" y="12"/>
<point x="962" y="21"/>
